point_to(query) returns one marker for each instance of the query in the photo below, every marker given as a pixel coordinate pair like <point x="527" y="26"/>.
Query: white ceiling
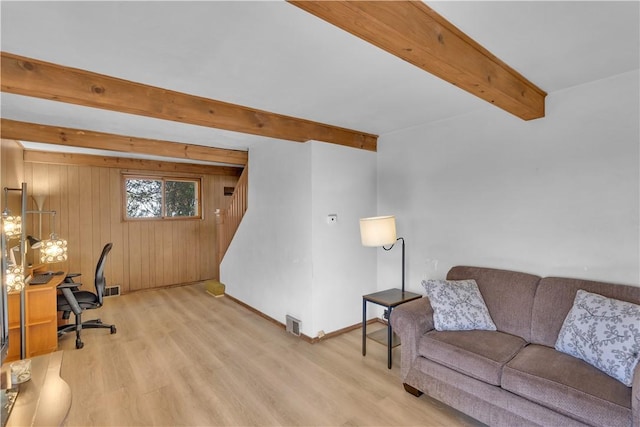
<point x="274" y="56"/>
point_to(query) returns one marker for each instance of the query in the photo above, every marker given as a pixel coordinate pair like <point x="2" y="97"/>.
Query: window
<point x="149" y="197"/>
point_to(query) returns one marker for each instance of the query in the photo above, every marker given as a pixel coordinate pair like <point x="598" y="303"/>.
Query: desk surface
<point x="55" y="280"/>
<point x="45" y="399"/>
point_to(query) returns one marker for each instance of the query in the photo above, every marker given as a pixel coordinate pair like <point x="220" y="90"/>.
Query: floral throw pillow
<point x="603" y="332"/>
<point x="457" y="305"/>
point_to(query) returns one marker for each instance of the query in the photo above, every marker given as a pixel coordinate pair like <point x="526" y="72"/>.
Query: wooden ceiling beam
<point x="32" y="77"/>
<point x="48" y="157"/>
<point x="414" y="32"/>
<point x="12" y="129"/>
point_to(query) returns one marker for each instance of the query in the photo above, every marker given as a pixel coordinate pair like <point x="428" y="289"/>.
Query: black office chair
<point x="74" y="300"/>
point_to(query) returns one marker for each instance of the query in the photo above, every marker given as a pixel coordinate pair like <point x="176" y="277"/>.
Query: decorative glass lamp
<point x="14" y="278"/>
<point x="53" y="250"/>
<point x="11" y="225"/>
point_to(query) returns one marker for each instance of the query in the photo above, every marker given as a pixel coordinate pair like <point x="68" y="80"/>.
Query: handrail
<point x="228" y="220"/>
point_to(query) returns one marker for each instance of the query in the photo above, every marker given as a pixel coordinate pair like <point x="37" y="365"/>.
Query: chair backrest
<point x="100" y="281"/>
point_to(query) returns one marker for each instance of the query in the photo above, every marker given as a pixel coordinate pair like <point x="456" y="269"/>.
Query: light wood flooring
<point x="182" y="357"/>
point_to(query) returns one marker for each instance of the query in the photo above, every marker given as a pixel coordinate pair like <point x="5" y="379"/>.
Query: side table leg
<point x="364" y="327"/>
<point x="389" y="341"/>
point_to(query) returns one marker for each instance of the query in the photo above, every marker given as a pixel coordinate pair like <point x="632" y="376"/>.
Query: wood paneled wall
<point x="145" y="254"/>
<point x="11" y="173"/>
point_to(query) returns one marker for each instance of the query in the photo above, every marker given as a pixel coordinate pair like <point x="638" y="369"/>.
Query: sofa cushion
<point x="507" y="294"/>
<point x="567" y="385"/>
<point x="457" y="305"/>
<point x="479" y="354"/>
<point x="554" y="299"/>
<point x="605" y="333"/>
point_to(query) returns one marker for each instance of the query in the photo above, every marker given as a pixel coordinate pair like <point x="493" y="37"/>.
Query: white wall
<point x="285" y="258"/>
<point x="555" y="196"/>
<point x="343" y="183"/>
<point x="268" y="265"/>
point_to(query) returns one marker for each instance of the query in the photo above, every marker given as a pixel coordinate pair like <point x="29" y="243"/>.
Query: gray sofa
<point x="514" y="376"/>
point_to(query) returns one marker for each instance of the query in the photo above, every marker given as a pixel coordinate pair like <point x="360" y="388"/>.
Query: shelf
<point x="380" y="336"/>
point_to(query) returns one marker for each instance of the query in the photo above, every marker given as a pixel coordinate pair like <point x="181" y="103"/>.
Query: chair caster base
<point x="79" y="344"/>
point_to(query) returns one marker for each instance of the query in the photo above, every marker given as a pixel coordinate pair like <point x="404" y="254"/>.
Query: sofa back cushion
<point x="508" y="295"/>
<point x="554" y="300"/>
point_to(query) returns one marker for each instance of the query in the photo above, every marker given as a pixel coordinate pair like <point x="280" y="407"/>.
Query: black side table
<point x="389" y="299"/>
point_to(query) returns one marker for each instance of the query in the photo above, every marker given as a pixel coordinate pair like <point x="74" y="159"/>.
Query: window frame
<point x="163" y="178"/>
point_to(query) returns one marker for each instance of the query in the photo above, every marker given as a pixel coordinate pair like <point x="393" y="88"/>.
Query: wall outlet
<point x="332" y="218"/>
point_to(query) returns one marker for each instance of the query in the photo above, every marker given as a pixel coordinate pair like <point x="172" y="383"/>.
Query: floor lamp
<point x="11" y="230"/>
<point x="381" y="231"/>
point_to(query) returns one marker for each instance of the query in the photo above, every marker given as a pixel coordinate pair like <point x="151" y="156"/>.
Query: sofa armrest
<point x="635" y="397"/>
<point x="411" y="321"/>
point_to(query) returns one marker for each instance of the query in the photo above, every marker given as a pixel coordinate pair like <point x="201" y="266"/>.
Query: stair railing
<point x="228" y="220"/>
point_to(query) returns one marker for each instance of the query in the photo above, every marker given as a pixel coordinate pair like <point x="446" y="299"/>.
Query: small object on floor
<point x="215" y="288"/>
<point x="20" y="371"/>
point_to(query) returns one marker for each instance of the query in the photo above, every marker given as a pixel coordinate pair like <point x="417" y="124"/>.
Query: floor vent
<point x="293" y="325"/>
<point x="112" y="291"/>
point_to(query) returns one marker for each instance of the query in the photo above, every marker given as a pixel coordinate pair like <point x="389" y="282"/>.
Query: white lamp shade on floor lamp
<point x="381" y="231"/>
<point x="378" y="230"/>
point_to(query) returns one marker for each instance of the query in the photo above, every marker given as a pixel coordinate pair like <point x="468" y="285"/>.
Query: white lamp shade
<point x="378" y="230"/>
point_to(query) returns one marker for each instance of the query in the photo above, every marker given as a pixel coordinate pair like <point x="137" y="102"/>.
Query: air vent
<point x="112" y="291"/>
<point x="293" y="325"/>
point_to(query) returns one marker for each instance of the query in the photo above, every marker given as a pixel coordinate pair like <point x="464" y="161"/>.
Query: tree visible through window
<point x="151" y="197"/>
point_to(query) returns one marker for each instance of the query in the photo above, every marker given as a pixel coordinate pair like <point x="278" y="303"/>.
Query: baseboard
<point x="304" y="337"/>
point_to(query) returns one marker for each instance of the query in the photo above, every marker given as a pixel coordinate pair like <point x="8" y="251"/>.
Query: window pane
<point x="181" y="198"/>
<point x="144" y="198"/>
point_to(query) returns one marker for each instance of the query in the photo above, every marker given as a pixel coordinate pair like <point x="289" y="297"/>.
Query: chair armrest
<point x="68" y="295"/>
<point x="411" y="321"/>
<point x="69" y="277"/>
<point x="635" y="397"/>
<point x="69" y="285"/>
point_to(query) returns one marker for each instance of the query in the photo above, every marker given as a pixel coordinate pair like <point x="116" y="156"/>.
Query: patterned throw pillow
<point x="457" y="305"/>
<point x="603" y="332"/>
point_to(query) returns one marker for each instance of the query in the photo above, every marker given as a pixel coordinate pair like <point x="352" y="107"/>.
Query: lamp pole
<point x="23" y="237"/>
<point x="401" y="238"/>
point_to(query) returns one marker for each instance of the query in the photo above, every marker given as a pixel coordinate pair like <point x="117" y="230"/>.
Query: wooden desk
<point x="45" y="399"/>
<point x="41" y="319"/>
